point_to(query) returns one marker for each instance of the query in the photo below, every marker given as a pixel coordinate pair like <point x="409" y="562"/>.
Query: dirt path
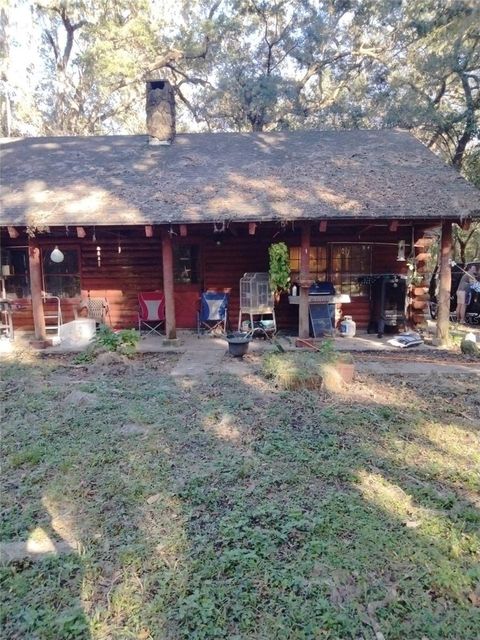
<point x="200" y="361"/>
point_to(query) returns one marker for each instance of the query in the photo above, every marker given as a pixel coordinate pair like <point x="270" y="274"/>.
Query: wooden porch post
<point x="168" y="289"/>
<point x="36" y="291"/>
<point x="443" y="313"/>
<point x="303" y="316"/>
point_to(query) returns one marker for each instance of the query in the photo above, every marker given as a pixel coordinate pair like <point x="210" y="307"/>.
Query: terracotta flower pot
<point x="346" y="371"/>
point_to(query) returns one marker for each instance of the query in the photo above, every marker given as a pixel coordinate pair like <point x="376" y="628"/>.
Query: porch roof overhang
<point x="291" y="176"/>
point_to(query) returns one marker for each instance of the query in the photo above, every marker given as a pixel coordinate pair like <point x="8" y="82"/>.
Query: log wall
<point x="224" y="258"/>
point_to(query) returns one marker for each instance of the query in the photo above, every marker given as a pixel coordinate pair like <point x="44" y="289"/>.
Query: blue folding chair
<point x="213" y="312"/>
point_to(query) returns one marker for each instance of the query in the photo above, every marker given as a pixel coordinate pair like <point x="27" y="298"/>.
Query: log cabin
<point x="184" y="213"/>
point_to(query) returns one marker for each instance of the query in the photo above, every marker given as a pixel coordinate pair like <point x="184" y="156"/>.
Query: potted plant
<point x="345" y="366"/>
<point x="279" y="268"/>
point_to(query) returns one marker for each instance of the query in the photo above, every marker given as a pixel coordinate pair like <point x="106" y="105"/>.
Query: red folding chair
<point x="151" y="315"/>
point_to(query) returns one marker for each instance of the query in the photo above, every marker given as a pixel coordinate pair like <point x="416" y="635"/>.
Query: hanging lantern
<point x="401" y="251"/>
<point x="99" y="256"/>
<point x="56" y="255"/>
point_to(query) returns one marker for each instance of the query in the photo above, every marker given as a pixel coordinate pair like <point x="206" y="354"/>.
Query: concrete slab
<point x="417" y="368"/>
<point x="189" y="341"/>
<point x="200" y="359"/>
<point x="369" y="342"/>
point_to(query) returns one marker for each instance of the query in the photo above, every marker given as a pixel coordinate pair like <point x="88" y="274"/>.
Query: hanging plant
<point x="279" y="270"/>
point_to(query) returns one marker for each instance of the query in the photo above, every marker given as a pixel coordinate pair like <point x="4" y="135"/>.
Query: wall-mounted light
<point x="401" y="251"/>
<point x="56" y="255"/>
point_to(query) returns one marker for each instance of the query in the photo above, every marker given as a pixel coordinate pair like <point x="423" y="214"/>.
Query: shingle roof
<point x="212" y="177"/>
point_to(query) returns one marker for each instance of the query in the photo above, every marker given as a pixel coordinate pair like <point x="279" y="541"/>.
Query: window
<point x="185" y="264"/>
<point x="62" y="279"/>
<point x="349" y="262"/>
<point x="317" y="263"/>
<point x="15" y="273"/>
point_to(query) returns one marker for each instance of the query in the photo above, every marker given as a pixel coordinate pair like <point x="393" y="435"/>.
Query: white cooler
<point x="77" y="333"/>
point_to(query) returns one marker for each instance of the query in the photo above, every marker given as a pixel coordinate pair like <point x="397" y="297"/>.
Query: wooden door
<point x="187" y="283"/>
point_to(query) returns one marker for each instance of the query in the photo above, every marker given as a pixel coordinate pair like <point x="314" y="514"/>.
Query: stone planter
<point x="337" y="374"/>
<point x="346" y="371"/>
<point x="238" y="342"/>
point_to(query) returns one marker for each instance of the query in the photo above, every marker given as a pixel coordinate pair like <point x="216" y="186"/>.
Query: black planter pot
<point x="238" y="343"/>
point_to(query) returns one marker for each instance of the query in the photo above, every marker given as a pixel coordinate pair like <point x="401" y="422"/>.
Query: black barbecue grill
<point x="387" y="302"/>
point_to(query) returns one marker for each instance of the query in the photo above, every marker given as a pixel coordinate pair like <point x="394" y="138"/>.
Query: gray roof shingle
<point x="228" y="176"/>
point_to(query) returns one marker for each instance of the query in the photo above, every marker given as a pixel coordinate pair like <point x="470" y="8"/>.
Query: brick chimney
<point x="160" y="112"/>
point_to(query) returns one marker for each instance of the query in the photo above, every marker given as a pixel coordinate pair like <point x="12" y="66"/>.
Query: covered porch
<point x="116" y="263"/>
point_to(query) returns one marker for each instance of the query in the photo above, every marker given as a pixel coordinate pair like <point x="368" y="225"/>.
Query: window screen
<point x="62" y="279"/>
<point x="317" y="263"/>
<point x="349" y="262"/>
<point x="185" y="264"/>
<point x="15" y="273"/>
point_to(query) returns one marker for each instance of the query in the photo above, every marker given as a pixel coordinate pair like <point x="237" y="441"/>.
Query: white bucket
<point x="348" y="327"/>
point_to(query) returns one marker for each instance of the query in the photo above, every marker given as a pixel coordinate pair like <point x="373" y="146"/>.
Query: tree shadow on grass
<point x="41" y="569"/>
<point x="314" y="529"/>
<point x="80" y="467"/>
<point x="235" y="510"/>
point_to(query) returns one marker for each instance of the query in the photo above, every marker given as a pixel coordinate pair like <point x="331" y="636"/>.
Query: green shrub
<point x="279" y="269"/>
<point x="106" y="338"/>
<point x="84" y="357"/>
<point x="129" y="338"/>
<point x="124" y="341"/>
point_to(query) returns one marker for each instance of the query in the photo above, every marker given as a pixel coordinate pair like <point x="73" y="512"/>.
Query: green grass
<point x="303" y="369"/>
<point x="293" y="370"/>
<point x="238" y="510"/>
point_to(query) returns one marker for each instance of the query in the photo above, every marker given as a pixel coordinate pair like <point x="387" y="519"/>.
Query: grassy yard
<point x="232" y="509"/>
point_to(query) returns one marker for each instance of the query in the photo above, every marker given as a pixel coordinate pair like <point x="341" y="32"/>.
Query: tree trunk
<point x="8" y="114"/>
<point x="469" y="130"/>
